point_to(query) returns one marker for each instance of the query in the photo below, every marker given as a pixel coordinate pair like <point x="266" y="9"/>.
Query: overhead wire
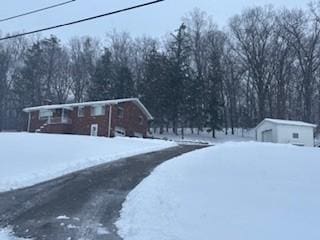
<point x="36" y="11"/>
<point x="82" y="20"/>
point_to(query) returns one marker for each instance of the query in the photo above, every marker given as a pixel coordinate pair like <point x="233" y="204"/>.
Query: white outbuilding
<point x="286" y="131"/>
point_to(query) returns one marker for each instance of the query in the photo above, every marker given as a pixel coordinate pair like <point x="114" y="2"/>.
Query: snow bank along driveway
<point x="235" y="191"/>
<point x="27" y="159"/>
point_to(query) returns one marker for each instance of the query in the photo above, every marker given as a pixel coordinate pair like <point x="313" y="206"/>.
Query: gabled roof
<point x="70" y="106"/>
<point x="288" y="122"/>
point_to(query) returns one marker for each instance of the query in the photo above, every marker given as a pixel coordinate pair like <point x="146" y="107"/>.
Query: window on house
<point x="140" y="120"/>
<point x="81" y="111"/>
<point x="98" y="111"/>
<point x="295" y="135"/>
<point x="45" y="114"/>
<point x="120" y="112"/>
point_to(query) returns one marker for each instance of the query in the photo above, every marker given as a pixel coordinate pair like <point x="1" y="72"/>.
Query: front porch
<point x="56" y="116"/>
<point x="47" y="120"/>
<point x="59" y="120"/>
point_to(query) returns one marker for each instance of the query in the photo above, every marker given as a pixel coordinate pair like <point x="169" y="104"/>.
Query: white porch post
<point x="110" y="118"/>
<point x="62" y="116"/>
<point x="29" y="122"/>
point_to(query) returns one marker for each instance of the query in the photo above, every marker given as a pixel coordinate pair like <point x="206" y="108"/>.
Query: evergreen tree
<point x="154" y="89"/>
<point x="100" y="87"/>
<point x="179" y="73"/>
<point x="214" y="92"/>
<point x="122" y="82"/>
<point x="29" y="81"/>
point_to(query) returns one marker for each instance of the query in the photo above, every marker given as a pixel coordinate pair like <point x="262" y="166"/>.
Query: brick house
<point x="121" y="117"/>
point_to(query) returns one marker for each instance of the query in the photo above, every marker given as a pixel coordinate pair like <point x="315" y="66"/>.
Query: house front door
<point x="94" y="130"/>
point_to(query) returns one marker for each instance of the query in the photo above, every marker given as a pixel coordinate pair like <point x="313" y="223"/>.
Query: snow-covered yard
<point x="205" y="136"/>
<point x="27" y="159"/>
<point x="243" y="191"/>
<point x="5" y="234"/>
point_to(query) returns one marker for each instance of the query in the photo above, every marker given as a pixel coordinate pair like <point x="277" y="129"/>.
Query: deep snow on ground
<point x="240" y="135"/>
<point x="5" y="234"/>
<point x="27" y="159"/>
<point x="243" y="191"/>
<point x="317" y="141"/>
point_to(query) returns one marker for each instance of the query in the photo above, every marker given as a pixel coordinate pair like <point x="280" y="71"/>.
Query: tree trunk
<point x="174" y="127"/>
<point x="261" y="106"/>
<point x="307" y="103"/>
<point x="213" y="132"/>
<point x="161" y="129"/>
<point x="182" y="132"/>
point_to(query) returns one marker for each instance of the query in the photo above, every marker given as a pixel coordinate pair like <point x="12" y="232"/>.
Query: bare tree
<point x="282" y="69"/>
<point x="253" y="33"/>
<point x="84" y="53"/>
<point x="61" y="86"/>
<point x="233" y="74"/>
<point x="121" y="47"/>
<point x="11" y="59"/>
<point x="303" y="35"/>
<point x="4" y="68"/>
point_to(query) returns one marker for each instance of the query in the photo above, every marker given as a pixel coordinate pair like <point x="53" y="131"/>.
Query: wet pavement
<point x="83" y="205"/>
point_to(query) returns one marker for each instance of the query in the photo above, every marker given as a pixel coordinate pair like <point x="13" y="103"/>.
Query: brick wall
<point x="82" y="125"/>
<point x="133" y="121"/>
<point x="130" y="120"/>
<point x="35" y="122"/>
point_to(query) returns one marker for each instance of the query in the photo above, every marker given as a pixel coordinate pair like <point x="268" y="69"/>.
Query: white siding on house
<point x="306" y="136"/>
<point x="266" y="127"/>
<point x="280" y="131"/>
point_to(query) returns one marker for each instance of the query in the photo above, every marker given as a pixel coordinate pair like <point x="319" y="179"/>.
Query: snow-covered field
<point x="27" y="159"/>
<point x="242" y="191"/>
<point x="5" y="234"/>
<point x="240" y="135"/>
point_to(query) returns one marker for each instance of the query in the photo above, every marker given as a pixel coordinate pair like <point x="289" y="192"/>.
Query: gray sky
<point x="156" y="20"/>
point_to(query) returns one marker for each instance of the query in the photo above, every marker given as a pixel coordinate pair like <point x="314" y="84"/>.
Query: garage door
<point x="267" y="136"/>
<point x="119" y="132"/>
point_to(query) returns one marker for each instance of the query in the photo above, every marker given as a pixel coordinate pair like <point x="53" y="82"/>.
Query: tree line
<point x="265" y="63"/>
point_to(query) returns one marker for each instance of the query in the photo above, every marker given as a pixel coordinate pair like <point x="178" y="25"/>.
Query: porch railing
<point x="59" y="120"/>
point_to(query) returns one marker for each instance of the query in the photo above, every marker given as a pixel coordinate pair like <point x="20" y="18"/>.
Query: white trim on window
<point x="98" y="110"/>
<point x="295" y="135"/>
<point x="81" y="111"/>
<point x="120" y="112"/>
<point x="141" y="120"/>
<point x="44" y="114"/>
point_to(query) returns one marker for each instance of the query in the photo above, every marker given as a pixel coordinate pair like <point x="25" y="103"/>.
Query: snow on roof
<point x="70" y="106"/>
<point x="289" y="122"/>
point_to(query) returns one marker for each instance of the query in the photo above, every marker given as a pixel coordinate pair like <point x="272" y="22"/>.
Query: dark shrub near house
<point x="121" y="117"/>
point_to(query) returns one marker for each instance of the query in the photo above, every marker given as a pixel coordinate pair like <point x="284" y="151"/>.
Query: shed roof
<point x="288" y="122"/>
<point x="70" y="106"/>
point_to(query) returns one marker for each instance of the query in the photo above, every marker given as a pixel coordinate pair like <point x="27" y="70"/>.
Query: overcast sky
<point x="156" y="20"/>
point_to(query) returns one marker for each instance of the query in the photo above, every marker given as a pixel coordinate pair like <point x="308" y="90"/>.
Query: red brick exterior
<point x="133" y="121"/>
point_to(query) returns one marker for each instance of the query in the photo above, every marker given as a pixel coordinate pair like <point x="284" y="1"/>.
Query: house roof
<point x="70" y="106"/>
<point x="288" y="122"/>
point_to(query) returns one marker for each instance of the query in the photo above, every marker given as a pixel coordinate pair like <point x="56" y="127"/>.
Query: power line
<point x="83" y="20"/>
<point x="36" y="11"/>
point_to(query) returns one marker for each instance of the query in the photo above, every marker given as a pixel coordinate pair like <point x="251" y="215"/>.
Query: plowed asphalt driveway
<point x="82" y="205"/>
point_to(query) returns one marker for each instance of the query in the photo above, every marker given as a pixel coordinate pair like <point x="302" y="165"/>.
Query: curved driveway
<point x="82" y="205"/>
